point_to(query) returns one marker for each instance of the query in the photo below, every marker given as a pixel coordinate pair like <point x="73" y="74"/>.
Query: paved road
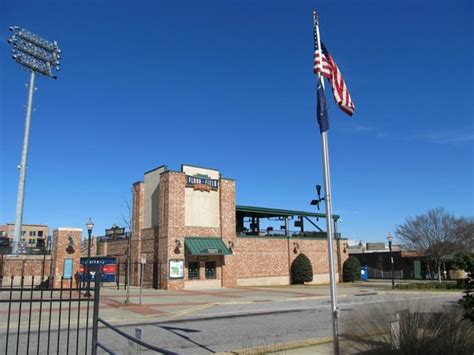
<point x="242" y="326"/>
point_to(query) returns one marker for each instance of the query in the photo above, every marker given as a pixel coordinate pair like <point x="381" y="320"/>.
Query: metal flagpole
<point x="329" y="219"/>
<point x="24" y="157"/>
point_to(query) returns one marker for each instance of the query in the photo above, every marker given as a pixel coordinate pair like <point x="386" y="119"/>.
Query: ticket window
<point x="193" y="270"/>
<point x="210" y="269"/>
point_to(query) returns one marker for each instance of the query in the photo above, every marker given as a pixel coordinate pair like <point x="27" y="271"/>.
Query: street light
<point x="89" y="226"/>
<point x="36" y="55"/>
<point x="390" y="238"/>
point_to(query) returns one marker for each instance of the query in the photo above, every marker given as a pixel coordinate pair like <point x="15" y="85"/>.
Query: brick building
<point x="32" y="235"/>
<point x="191" y="233"/>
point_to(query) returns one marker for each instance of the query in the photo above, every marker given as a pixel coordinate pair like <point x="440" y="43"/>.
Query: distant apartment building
<point x="32" y="235"/>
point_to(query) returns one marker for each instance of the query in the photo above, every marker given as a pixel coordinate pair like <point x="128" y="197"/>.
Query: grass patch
<point x="425" y="327"/>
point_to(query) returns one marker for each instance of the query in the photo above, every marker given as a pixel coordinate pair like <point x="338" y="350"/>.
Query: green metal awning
<point x="205" y="246"/>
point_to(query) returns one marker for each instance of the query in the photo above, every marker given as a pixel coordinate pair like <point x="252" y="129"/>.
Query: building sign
<point x="143" y="259"/>
<point x="202" y="182"/>
<point x="115" y="231"/>
<point x="211" y="251"/>
<point x="67" y="269"/>
<point x="176" y="269"/>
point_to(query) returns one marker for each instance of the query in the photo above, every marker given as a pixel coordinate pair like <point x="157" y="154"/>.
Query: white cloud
<point x="459" y="136"/>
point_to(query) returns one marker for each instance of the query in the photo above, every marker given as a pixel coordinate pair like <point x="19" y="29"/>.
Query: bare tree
<point x="128" y="221"/>
<point x="437" y="234"/>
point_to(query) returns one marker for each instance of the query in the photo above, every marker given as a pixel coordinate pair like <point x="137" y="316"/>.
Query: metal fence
<point x="151" y="273"/>
<point x="49" y="316"/>
<point x="384" y="274"/>
<point x="46" y="316"/>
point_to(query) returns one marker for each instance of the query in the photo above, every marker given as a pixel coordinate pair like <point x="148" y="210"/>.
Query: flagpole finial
<point x="315" y="17"/>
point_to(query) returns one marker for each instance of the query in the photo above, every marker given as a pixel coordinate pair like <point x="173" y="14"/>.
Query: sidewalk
<point x="161" y="305"/>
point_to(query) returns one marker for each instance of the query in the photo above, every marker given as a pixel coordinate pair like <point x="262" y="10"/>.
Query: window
<point x="40" y="234"/>
<point x="32" y="241"/>
<point x="210" y="269"/>
<point x="32" y="233"/>
<point x="23" y="232"/>
<point x="193" y="270"/>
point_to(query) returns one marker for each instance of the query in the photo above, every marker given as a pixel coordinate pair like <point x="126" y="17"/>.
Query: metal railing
<point x="384" y="274"/>
<point x="47" y="316"/>
<point x="281" y="233"/>
<point x="151" y="274"/>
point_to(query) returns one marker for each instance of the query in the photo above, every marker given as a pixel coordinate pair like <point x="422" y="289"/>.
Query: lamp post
<point x="89" y="226"/>
<point x="390" y="238"/>
<point x="38" y="56"/>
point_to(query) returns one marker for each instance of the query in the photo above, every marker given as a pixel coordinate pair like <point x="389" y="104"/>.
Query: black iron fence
<point x="151" y="274"/>
<point x="43" y="315"/>
<point x="384" y="274"/>
<point x="48" y="316"/>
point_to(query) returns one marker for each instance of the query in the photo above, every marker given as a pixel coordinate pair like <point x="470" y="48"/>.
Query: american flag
<point x="330" y="70"/>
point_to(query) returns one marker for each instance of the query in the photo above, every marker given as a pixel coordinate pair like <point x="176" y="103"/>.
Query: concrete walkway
<point x="161" y="305"/>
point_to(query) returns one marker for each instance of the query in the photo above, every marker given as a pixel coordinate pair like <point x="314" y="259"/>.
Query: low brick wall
<point x="29" y="265"/>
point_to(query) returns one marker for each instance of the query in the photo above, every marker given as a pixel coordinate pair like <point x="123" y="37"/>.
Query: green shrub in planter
<point x="301" y="270"/>
<point x="351" y="269"/>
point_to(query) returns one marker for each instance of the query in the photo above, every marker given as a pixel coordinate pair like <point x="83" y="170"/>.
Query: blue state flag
<point x="322" y="108"/>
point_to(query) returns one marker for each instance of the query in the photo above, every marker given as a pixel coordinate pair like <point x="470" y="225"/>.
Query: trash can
<point x="364" y="273"/>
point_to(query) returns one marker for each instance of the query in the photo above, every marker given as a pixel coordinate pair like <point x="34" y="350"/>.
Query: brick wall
<point x="30" y="266"/>
<point x="267" y="260"/>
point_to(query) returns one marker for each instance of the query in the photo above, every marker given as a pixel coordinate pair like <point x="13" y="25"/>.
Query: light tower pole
<point x="38" y="56"/>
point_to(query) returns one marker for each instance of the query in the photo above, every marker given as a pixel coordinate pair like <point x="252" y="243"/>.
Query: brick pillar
<point x="228" y="231"/>
<point x="342" y="255"/>
<point x="61" y="251"/>
<point x="137" y="226"/>
<point x="171" y="225"/>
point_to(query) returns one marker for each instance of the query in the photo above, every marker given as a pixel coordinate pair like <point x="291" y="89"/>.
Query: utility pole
<point x="38" y="56"/>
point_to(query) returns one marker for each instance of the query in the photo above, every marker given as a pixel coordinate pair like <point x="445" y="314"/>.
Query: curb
<point x="290" y="345"/>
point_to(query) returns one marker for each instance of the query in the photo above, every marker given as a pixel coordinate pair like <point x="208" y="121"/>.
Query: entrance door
<point x="417" y="269"/>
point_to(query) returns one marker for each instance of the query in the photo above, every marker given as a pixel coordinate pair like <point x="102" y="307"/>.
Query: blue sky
<point x="229" y="85"/>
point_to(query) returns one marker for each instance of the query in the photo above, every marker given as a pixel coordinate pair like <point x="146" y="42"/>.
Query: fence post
<point x="95" y="316"/>
<point x="126" y="273"/>
<point x="117" y="275"/>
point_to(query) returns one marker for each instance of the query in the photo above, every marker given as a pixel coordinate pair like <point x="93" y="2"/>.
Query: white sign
<point x="176" y="269"/>
<point x="143" y="259"/>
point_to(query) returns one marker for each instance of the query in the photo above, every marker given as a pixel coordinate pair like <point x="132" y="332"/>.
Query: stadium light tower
<point x="38" y="56"/>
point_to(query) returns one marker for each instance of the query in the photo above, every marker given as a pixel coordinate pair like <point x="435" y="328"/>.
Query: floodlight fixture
<point x="38" y="56"/>
<point x="34" y="53"/>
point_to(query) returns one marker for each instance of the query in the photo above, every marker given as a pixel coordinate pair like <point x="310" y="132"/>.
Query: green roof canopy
<point x="205" y="246"/>
<point x="264" y="212"/>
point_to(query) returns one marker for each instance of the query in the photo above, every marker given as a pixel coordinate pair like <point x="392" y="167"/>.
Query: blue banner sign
<point x="67" y="270"/>
<point x="105" y="266"/>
